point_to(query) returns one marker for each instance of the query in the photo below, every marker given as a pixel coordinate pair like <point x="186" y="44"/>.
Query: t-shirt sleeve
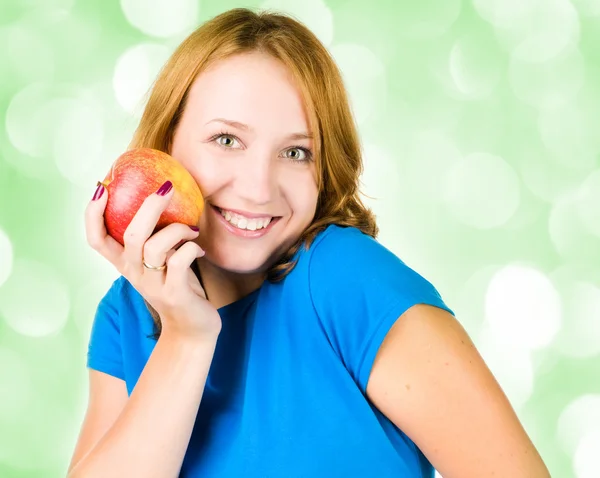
<point x="104" y="347"/>
<point x="359" y="289"/>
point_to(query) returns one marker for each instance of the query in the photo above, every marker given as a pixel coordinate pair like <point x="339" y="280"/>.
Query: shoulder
<point x="345" y="248"/>
<point x="345" y="258"/>
<point x="349" y="247"/>
<point x="120" y="290"/>
<point x="119" y="296"/>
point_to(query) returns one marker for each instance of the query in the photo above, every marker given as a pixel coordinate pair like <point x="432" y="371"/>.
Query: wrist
<point x="182" y="340"/>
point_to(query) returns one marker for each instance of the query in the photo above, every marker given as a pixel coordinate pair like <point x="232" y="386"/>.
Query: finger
<point x="157" y="246"/>
<point x="179" y="263"/>
<point x="160" y="244"/>
<point x="95" y="229"/>
<point x="143" y="224"/>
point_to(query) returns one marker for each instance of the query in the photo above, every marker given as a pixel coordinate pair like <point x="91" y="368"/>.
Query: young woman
<point x="281" y="339"/>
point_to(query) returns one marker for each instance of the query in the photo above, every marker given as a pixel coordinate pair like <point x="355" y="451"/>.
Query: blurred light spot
<point x="482" y="125"/>
<point x="381" y="177"/>
<point x="16" y="391"/>
<point x="475" y="63"/>
<point x="364" y="76"/>
<point x="482" y="191"/>
<point x="567" y="232"/>
<point x="164" y="18"/>
<point x="523" y="307"/>
<point x="34" y="318"/>
<point x="46" y="7"/>
<point x="580" y="334"/>
<point x="547" y="85"/>
<point x="511" y="365"/>
<point x="550" y="28"/>
<point x="570" y="132"/>
<point x="135" y="71"/>
<point x="587" y="7"/>
<point x="588" y="203"/>
<point x="315" y="14"/>
<point x="430" y="157"/>
<point x="32" y="118"/>
<point x="426" y="19"/>
<point x="579" y="418"/>
<point x="381" y="186"/>
<point x="42" y="439"/>
<point x="547" y="179"/>
<point x="29" y="54"/>
<point x="471" y="299"/>
<point x="6" y="257"/>
<point x="78" y="140"/>
<point x="20" y="117"/>
<point x="505" y="13"/>
<point x="585" y="460"/>
<point x="48" y="426"/>
<point x="88" y="30"/>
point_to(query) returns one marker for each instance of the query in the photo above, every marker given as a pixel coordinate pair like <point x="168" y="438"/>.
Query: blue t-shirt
<point x="285" y="395"/>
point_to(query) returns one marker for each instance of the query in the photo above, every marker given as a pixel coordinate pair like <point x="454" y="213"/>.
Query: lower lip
<point x="243" y="232"/>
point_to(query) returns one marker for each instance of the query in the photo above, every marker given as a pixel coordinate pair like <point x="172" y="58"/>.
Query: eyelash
<point x="307" y="152"/>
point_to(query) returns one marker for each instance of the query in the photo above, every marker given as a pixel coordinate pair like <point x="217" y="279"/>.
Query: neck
<point x="224" y="287"/>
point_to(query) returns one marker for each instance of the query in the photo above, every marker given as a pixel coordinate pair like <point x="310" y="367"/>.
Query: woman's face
<point x="261" y="166"/>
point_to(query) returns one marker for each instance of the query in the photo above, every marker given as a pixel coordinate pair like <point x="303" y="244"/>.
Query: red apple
<point x="138" y="173"/>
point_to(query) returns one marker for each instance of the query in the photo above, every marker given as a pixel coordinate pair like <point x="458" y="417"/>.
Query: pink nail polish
<point x="99" y="192"/>
<point x="165" y="188"/>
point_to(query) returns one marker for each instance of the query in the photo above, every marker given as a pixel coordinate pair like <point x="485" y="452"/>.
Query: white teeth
<point x="244" y="223"/>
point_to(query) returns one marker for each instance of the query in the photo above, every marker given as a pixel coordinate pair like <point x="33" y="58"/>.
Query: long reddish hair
<point x="338" y="155"/>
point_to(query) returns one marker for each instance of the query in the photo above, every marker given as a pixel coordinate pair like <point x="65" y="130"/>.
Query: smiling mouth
<point x="246" y="223"/>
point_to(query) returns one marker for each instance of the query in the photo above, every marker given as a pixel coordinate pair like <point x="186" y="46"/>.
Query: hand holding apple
<point x="140" y="172"/>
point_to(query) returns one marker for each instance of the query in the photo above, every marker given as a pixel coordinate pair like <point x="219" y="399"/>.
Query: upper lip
<point x="246" y="213"/>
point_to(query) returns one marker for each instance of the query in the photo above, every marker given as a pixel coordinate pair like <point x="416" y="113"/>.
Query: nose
<point x="256" y="180"/>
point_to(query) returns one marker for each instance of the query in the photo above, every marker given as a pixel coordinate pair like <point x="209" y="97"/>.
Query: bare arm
<point x="151" y="435"/>
<point x="429" y="379"/>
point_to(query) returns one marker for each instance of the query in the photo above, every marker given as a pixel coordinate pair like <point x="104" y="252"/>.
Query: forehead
<point x="252" y="88"/>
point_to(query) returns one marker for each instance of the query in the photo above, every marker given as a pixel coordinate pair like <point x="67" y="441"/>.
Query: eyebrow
<point x="245" y="127"/>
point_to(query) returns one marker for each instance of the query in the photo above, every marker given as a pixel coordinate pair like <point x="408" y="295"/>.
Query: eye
<point x="227" y="140"/>
<point x="302" y="154"/>
<point x="226" y="136"/>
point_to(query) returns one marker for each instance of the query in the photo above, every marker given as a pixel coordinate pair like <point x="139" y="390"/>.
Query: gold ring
<point x="154" y="268"/>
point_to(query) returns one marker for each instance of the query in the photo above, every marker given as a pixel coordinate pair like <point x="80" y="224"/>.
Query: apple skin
<point x="137" y="174"/>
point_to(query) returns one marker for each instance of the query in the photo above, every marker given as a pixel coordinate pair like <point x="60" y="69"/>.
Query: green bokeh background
<point x="479" y="120"/>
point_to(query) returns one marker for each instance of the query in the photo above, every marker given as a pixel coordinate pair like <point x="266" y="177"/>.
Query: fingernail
<point x="194" y="228"/>
<point x="99" y="191"/>
<point x="165" y="188"/>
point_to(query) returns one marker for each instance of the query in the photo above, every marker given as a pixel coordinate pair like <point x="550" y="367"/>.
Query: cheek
<point x="208" y="176"/>
<point x="305" y="195"/>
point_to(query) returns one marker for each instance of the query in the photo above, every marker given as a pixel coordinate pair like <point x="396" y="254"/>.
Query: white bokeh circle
<point x="580" y="417"/>
<point x="365" y="80"/>
<point x="6" y="257"/>
<point x="34" y="301"/>
<point x="482" y="191"/>
<point x="523" y="307"/>
<point x="162" y="18"/>
<point x="135" y="71"/>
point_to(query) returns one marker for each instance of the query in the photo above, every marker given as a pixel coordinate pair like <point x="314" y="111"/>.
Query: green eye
<point x="307" y="154"/>
<point x="224" y="136"/>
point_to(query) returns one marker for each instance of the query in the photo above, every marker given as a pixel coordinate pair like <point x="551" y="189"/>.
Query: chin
<point x="241" y="263"/>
